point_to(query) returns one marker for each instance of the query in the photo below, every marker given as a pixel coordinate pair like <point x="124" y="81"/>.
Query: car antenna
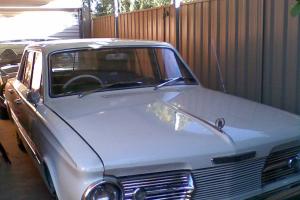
<point x="218" y="67"/>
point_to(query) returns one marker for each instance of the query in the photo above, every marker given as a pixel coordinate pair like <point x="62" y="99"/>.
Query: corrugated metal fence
<point x="256" y="43"/>
<point x="103" y="27"/>
<point x="281" y="63"/>
<point x="151" y="24"/>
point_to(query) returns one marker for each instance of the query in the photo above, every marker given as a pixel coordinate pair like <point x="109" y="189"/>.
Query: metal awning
<point x="41" y="3"/>
<point x="24" y="3"/>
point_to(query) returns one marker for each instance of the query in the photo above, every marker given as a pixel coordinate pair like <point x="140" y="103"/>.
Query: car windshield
<point x="81" y="71"/>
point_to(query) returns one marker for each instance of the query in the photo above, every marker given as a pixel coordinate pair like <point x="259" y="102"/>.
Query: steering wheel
<point x="69" y="82"/>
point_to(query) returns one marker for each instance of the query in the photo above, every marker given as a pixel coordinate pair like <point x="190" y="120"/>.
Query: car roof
<point x="27" y="40"/>
<point x="60" y="45"/>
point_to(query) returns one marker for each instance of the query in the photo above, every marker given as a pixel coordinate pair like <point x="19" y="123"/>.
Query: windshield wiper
<point x="168" y="82"/>
<point x="124" y="84"/>
<point x="174" y="80"/>
<point x="2" y="72"/>
<point x="117" y="84"/>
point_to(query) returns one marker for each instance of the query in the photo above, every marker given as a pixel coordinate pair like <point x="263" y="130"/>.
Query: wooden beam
<point x="24" y="3"/>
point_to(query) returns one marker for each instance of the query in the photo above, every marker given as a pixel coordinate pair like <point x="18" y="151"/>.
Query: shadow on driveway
<point x="20" y="180"/>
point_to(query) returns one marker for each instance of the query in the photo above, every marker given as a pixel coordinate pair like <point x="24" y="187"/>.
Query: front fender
<point x="72" y="164"/>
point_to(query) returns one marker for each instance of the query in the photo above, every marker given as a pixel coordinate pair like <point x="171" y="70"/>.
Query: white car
<point x="120" y="119"/>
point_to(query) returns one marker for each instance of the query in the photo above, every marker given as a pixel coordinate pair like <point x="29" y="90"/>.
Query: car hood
<point x="173" y="126"/>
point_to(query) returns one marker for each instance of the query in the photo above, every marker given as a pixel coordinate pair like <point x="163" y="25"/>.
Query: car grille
<point x="277" y="165"/>
<point x="220" y="182"/>
<point x="170" y="185"/>
<point x="228" y="180"/>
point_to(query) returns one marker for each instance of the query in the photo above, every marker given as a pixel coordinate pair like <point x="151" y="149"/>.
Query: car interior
<point x="127" y="67"/>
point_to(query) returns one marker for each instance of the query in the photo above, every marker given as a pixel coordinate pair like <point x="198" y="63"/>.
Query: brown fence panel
<point x="170" y="25"/>
<point x="151" y="24"/>
<point x="228" y="32"/>
<point x="281" y="56"/>
<point x="103" y="27"/>
<point x="145" y="24"/>
<point x="256" y="43"/>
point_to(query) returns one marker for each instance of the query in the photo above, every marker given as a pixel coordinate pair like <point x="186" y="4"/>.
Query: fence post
<point x="177" y="22"/>
<point x="116" y="4"/>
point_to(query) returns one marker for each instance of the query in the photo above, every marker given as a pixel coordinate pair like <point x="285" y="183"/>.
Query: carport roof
<point x="41" y="3"/>
<point x="24" y="3"/>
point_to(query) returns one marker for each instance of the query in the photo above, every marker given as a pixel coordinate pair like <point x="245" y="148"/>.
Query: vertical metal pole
<point x="177" y="14"/>
<point x="90" y="19"/>
<point x="89" y="8"/>
<point x="116" y="27"/>
<point x="177" y="29"/>
<point x="116" y="4"/>
<point x="85" y="20"/>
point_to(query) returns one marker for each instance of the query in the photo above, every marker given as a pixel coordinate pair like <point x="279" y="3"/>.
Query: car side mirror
<point x="33" y="96"/>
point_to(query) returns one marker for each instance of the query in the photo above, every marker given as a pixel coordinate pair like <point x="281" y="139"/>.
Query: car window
<point x="78" y="71"/>
<point x="37" y="71"/>
<point x="8" y="69"/>
<point x="27" y="71"/>
<point x="8" y="56"/>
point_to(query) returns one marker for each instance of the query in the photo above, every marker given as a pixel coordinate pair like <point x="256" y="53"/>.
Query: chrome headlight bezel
<point x="112" y="181"/>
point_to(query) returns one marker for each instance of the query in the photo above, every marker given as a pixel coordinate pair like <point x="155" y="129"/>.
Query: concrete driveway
<point x="20" y="180"/>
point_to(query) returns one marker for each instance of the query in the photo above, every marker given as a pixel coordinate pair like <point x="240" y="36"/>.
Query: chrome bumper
<point x="287" y="192"/>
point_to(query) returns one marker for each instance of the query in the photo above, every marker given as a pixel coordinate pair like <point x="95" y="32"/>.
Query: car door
<point x="35" y="125"/>
<point x="24" y="112"/>
<point x="19" y="92"/>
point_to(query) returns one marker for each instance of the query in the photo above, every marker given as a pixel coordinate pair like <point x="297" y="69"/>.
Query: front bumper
<point x="291" y="191"/>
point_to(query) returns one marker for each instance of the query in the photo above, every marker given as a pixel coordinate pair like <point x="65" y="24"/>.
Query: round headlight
<point x="104" y="190"/>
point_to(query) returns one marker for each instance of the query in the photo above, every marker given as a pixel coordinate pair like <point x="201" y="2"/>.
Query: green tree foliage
<point x="147" y="4"/>
<point x="101" y="7"/>
<point x="295" y="10"/>
<point x="144" y="4"/>
<point x="106" y="7"/>
<point x="137" y="4"/>
<point x="163" y="2"/>
<point x="125" y="5"/>
<point x="187" y="1"/>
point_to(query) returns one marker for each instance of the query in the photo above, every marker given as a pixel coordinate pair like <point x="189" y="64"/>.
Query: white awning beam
<point x="41" y="4"/>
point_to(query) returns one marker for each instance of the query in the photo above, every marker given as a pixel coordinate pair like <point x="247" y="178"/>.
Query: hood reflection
<point x="177" y="119"/>
<point x="169" y="115"/>
<point x="181" y="121"/>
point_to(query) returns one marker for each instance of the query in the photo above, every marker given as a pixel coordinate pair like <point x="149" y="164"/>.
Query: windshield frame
<point x="176" y="53"/>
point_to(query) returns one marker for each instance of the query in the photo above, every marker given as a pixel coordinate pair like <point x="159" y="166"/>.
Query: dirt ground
<point x="20" y="180"/>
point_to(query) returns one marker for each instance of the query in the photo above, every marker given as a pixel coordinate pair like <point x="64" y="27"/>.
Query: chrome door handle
<point x="18" y="101"/>
<point x="11" y="91"/>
